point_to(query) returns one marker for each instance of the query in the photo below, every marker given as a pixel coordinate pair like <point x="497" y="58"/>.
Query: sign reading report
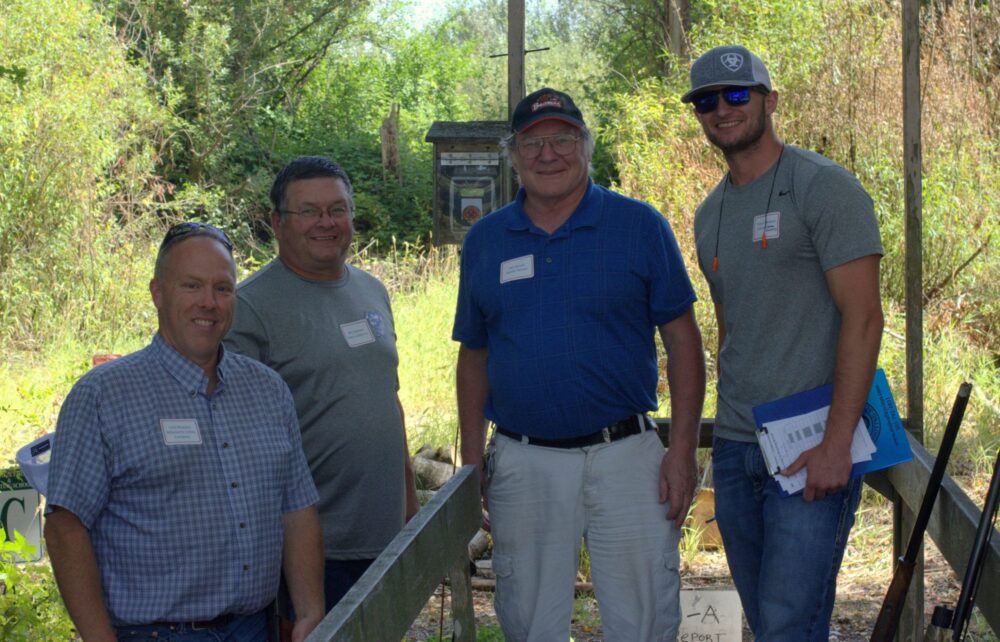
<point x="710" y="616"/>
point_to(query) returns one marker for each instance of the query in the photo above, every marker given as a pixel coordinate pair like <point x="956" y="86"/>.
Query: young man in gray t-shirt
<point x="789" y="245"/>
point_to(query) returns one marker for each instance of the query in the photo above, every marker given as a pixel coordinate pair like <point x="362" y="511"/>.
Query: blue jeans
<point x="339" y="576"/>
<point x="243" y="628"/>
<point x="783" y="552"/>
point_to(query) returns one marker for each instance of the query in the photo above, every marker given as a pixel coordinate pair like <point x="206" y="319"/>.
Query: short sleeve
<point x="841" y="218"/>
<point x="79" y="471"/>
<point x="470" y="325"/>
<point x="247" y="336"/>
<point x="301" y="489"/>
<point x="670" y="291"/>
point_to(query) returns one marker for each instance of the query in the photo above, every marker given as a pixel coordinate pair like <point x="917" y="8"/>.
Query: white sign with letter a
<point x="710" y="616"/>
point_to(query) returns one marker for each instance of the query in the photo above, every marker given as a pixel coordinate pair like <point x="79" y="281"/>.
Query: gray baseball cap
<point x="731" y="65"/>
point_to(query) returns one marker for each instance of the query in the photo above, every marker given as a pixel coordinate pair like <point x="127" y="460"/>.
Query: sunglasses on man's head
<point x="186" y="228"/>
<point x="707" y="102"/>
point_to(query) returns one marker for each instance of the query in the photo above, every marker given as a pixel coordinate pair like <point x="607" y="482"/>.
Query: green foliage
<point x="75" y="145"/>
<point x="214" y="65"/>
<point x="186" y="110"/>
<point x="488" y="633"/>
<point x="30" y="600"/>
<point x="844" y="102"/>
<point x="424" y="312"/>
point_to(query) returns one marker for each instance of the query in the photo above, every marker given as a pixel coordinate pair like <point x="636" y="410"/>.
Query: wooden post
<point x="515" y="54"/>
<point x="389" y="135"/>
<point x="462" y="612"/>
<point x="911" y="624"/>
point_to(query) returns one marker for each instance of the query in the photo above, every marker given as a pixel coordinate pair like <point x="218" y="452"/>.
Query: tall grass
<point x="423" y="285"/>
<point x="424" y="296"/>
<point x="845" y="101"/>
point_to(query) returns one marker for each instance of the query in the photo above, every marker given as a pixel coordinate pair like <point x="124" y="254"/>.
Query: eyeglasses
<point x="561" y="144"/>
<point x="188" y="228"/>
<point x="310" y="213"/>
<point x="708" y="102"/>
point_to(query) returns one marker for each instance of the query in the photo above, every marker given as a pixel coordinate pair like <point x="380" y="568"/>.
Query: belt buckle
<point x="204" y="625"/>
<point x="606" y="434"/>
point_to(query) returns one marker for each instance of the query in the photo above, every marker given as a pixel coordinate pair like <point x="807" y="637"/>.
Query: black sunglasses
<point x="707" y="102"/>
<point x="188" y="228"/>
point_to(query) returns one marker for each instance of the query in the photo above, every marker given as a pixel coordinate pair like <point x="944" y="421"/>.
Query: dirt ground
<point x="864" y="578"/>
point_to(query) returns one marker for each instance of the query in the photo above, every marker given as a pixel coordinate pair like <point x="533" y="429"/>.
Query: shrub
<point x="76" y="147"/>
<point x="31" y="602"/>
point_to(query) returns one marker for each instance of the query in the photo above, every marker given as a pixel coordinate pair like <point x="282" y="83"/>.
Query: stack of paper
<point x="790" y="426"/>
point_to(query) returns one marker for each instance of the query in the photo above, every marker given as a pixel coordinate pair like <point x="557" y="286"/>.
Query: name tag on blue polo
<point x="180" y="432"/>
<point x="523" y="267"/>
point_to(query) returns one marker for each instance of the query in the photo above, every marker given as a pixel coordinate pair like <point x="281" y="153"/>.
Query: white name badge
<point x="180" y="432"/>
<point x="769" y="224"/>
<point x="523" y="267"/>
<point x="357" y="333"/>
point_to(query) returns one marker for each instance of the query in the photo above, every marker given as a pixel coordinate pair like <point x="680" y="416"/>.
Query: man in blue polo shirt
<point x="561" y="296"/>
<point x="178" y="488"/>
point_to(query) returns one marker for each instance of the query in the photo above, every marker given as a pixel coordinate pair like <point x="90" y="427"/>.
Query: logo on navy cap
<point x="546" y="100"/>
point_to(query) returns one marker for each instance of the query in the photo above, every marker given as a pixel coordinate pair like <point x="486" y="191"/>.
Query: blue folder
<point x="880" y="416"/>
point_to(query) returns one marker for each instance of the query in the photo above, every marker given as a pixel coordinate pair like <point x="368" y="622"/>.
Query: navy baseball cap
<point x="545" y="104"/>
<point x="728" y="66"/>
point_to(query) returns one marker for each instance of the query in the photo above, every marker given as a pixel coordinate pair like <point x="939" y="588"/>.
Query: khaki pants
<point x="543" y="500"/>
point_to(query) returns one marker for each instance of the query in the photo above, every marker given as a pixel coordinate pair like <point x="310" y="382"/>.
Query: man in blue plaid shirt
<point x="178" y="490"/>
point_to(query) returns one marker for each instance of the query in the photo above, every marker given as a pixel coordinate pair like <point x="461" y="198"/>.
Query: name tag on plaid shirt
<point x="180" y="432"/>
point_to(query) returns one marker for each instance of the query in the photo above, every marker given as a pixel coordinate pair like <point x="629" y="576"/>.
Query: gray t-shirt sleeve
<point x="841" y="218"/>
<point x="248" y="335"/>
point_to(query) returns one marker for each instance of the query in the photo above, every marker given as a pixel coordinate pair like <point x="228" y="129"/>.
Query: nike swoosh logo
<point x="785" y="193"/>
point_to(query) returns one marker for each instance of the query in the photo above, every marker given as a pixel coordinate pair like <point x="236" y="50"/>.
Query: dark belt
<point x="214" y="623"/>
<point x="624" y="428"/>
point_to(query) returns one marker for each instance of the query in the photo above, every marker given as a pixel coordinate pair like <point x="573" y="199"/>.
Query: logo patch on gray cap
<point x="731" y="61"/>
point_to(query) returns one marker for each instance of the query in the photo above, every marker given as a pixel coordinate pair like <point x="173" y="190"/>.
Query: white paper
<point x="783" y="440"/>
<point x="523" y="267"/>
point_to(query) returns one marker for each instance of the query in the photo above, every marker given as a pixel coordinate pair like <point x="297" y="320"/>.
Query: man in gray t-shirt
<point x="327" y="328"/>
<point x="789" y="245"/>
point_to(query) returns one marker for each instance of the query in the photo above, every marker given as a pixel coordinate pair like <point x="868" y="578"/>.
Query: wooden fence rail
<point x="952" y="525"/>
<point x="388" y="597"/>
<point x="386" y="600"/>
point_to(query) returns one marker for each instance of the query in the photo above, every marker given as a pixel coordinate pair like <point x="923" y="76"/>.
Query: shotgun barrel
<point x="977" y="559"/>
<point x="888" y="617"/>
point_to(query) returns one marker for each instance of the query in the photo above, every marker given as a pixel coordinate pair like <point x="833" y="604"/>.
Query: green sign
<point x="13" y="479"/>
<point x="19" y="509"/>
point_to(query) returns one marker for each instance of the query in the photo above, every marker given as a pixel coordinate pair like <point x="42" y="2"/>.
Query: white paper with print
<point x="782" y="442"/>
<point x="523" y="267"/>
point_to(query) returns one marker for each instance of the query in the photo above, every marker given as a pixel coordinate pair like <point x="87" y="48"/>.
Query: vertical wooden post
<point x="515" y="54"/>
<point x="911" y="623"/>
<point x="462" y="611"/>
